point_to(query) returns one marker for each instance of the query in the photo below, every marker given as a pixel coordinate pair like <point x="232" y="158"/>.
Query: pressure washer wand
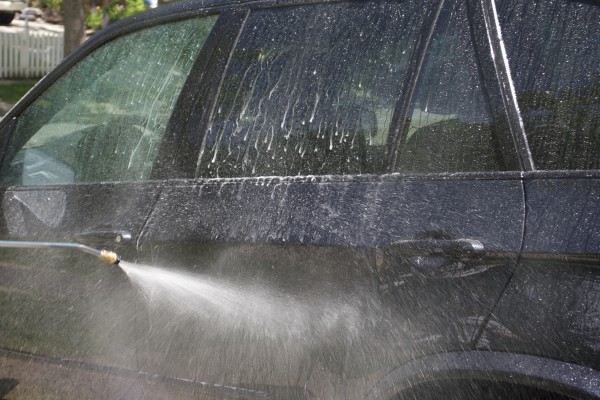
<point x="108" y="257"/>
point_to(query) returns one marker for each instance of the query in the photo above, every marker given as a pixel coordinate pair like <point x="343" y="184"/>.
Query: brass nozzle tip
<point x="109" y="257"/>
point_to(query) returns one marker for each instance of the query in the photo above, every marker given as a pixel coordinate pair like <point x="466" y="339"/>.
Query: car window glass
<point x="450" y="124"/>
<point x="311" y="90"/>
<point x="104" y="119"/>
<point x="553" y="48"/>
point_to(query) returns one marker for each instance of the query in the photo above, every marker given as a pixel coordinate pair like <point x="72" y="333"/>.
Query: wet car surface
<point x="313" y="200"/>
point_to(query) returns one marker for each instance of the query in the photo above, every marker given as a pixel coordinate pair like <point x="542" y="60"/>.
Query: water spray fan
<point x="108" y="257"/>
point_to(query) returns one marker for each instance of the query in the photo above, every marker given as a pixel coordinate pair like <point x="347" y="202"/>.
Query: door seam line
<point x="480" y="330"/>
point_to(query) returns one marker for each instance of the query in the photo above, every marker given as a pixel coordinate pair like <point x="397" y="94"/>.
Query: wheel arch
<point x="520" y="369"/>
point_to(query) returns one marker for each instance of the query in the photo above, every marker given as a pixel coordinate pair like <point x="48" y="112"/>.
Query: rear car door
<point x="356" y="201"/>
<point x="552" y="305"/>
<point x="76" y="167"/>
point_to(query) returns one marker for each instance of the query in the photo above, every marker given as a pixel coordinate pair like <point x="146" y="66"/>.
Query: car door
<point x="553" y="301"/>
<point x="356" y="201"/>
<point x="76" y="167"/>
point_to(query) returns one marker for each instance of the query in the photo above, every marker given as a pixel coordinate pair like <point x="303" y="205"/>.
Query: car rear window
<point x="553" y="48"/>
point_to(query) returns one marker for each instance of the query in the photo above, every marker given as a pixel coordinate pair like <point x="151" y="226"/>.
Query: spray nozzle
<point x="108" y="257"/>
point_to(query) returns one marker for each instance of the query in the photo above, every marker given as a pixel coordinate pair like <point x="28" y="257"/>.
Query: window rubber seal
<point x="506" y="84"/>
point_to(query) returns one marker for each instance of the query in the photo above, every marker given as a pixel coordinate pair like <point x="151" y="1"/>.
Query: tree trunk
<point x="73" y="17"/>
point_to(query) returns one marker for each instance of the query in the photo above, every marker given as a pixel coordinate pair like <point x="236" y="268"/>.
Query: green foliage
<point x="115" y="10"/>
<point x="94" y="19"/>
<point x="55" y="5"/>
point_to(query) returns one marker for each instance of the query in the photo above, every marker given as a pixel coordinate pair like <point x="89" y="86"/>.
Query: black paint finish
<point x="327" y="239"/>
<point x="552" y="305"/>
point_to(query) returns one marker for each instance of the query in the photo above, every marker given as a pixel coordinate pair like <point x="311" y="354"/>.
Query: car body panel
<point x="551" y="306"/>
<point x="64" y="303"/>
<point x="556" y="288"/>
<point x="324" y="243"/>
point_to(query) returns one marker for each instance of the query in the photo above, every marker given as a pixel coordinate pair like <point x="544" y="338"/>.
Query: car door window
<point x="553" y="48"/>
<point x="311" y="90"/>
<point x="450" y="126"/>
<point x="104" y="119"/>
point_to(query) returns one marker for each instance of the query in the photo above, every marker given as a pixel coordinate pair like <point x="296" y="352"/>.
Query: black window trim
<point x="505" y="84"/>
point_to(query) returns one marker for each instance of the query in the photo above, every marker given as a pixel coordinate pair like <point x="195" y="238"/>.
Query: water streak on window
<point x="103" y="121"/>
<point x="311" y="90"/>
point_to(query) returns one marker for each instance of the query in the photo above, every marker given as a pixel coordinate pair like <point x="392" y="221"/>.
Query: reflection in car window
<point x="553" y="47"/>
<point x="311" y="90"/>
<point x="450" y="126"/>
<point x="104" y="119"/>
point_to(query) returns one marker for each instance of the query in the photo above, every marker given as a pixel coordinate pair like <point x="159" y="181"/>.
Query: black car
<point x="313" y="199"/>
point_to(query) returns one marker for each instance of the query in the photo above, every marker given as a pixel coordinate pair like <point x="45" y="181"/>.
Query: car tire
<point x="6" y="19"/>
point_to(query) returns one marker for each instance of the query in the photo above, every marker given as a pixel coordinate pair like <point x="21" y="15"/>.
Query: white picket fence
<point x="29" y="54"/>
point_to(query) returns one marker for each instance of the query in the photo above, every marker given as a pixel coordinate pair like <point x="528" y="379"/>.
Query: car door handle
<point x="437" y="247"/>
<point x="104" y="237"/>
<point x="439" y="258"/>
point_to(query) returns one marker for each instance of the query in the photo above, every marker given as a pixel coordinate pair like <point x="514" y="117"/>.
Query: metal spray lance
<point x="108" y="257"/>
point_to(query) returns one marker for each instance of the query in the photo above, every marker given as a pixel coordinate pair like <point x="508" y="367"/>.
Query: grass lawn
<point x="12" y="91"/>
